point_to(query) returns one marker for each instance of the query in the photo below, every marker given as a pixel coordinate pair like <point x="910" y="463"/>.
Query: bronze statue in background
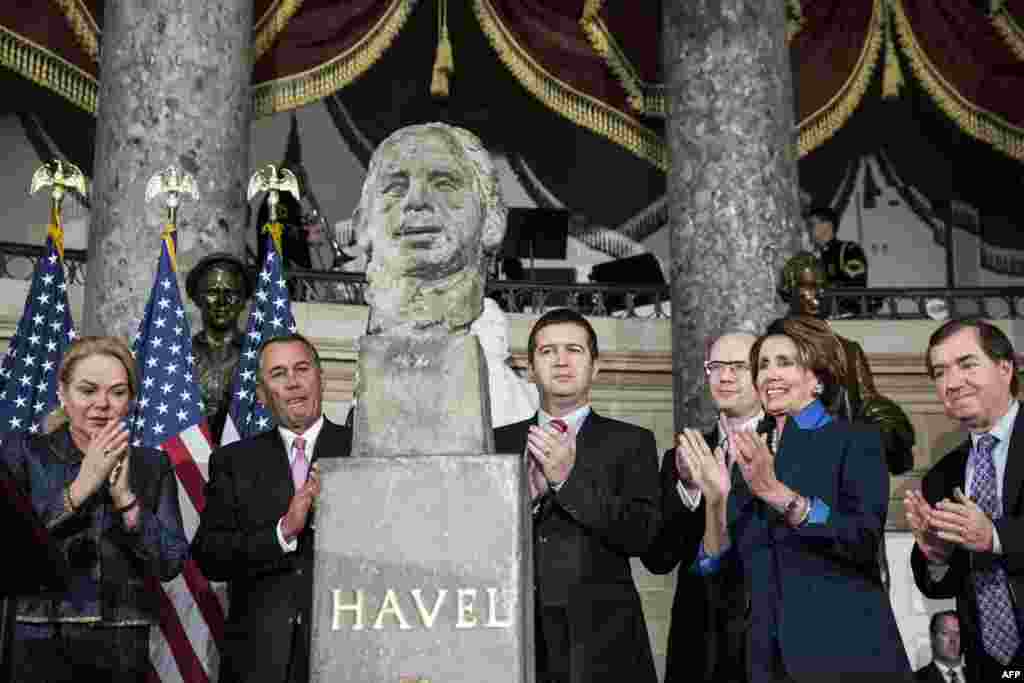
<point x="220" y="287"/>
<point x="803" y="280"/>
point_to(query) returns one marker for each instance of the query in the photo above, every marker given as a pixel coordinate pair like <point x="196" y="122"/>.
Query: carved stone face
<point x="807" y="297"/>
<point x="220" y="297"/>
<point x="425" y="215"/>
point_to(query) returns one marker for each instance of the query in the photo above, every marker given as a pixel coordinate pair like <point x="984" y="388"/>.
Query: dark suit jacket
<point x="939" y="483"/>
<point x="930" y="674"/>
<point x="606" y="512"/>
<point x="706" y="638"/>
<point x="270" y="591"/>
<point x="816" y="589"/>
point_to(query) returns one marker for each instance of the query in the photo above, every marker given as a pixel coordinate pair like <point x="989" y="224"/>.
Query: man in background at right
<point x="968" y="517"/>
<point x="947" y="666"/>
<point x="844" y="262"/>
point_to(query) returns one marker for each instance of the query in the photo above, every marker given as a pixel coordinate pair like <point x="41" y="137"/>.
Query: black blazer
<point x="707" y="634"/>
<point x="266" y="637"/>
<point x="945" y="475"/>
<point x="930" y="674"/>
<point x="606" y="512"/>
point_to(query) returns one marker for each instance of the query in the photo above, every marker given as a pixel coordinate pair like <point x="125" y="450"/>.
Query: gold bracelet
<point x="69" y="503"/>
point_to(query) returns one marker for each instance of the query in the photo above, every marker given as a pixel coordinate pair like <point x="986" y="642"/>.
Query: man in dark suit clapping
<point x="706" y="640"/>
<point x="947" y="666"/>
<point x="968" y="517"/>
<point x="255" y="531"/>
<point x="594" y="483"/>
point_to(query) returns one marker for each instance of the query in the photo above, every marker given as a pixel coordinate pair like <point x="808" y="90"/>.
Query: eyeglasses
<point x="715" y="368"/>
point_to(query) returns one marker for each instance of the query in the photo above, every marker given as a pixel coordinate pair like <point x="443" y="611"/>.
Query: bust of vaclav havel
<point x="429" y="217"/>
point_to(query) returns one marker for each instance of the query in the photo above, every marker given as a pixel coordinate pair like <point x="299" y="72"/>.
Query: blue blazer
<point x="816" y="590"/>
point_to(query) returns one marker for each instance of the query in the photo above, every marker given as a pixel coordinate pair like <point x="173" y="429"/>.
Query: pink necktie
<point x="300" y="466"/>
<point x="560" y="425"/>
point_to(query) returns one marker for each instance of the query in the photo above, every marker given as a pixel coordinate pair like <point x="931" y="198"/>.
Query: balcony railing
<point x="17" y="261"/>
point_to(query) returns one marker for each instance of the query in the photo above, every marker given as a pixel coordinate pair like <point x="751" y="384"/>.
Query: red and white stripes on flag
<point x="185" y="647"/>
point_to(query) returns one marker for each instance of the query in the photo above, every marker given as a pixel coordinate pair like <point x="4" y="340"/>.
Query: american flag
<point x="168" y="416"/>
<point x="28" y="374"/>
<point x="270" y="316"/>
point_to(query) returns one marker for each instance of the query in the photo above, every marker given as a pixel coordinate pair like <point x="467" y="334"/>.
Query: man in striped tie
<point x="256" y="531"/>
<point x="971" y="546"/>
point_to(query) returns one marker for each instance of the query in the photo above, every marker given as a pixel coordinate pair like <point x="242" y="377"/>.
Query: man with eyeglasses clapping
<point x="707" y="635"/>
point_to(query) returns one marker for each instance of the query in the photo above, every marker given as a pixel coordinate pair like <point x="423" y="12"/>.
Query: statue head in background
<point x="220" y="287"/>
<point x="802" y="285"/>
<point x="429" y="218"/>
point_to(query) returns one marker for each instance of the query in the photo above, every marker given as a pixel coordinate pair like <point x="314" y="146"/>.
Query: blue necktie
<point x="998" y="622"/>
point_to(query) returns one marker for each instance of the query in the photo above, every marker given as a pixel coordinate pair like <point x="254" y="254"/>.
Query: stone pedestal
<point x="732" y="186"/>
<point x="421" y="397"/>
<point x="423" y="571"/>
<point x="175" y="91"/>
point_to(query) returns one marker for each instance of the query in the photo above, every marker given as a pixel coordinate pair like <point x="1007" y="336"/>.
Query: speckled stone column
<point x="732" y="186"/>
<point x="174" y="90"/>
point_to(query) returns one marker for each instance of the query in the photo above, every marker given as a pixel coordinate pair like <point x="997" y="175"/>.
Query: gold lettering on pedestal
<point x="427" y="618"/>
<point x="342" y="607"/>
<point x="467" y="619"/>
<point x="466" y="614"/>
<point x="492" y="611"/>
<point x="390" y="606"/>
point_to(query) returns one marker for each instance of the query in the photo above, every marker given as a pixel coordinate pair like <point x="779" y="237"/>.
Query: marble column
<point x="174" y="90"/>
<point x="733" y="203"/>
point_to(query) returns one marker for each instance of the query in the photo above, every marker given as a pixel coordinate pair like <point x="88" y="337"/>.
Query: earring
<point x="818" y="388"/>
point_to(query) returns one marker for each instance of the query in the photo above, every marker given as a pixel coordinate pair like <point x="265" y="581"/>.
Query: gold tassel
<point x="56" y="229"/>
<point x="892" y="75"/>
<point x="276" y="230"/>
<point x="444" y="60"/>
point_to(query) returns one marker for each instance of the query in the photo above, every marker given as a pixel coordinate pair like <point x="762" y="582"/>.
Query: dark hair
<point x="824" y="213"/>
<point x="558" y="316"/>
<point x="933" y="624"/>
<point x="285" y="339"/>
<point x="817" y="348"/>
<point x="993" y="342"/>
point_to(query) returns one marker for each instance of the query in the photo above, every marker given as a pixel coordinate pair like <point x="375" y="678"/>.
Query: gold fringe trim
<point x="83" y="25"/>
<point x="45" y="68"/>
<point x="794" y="19"/>
<point x="644" y="97"/>
<point x="1010" y="30"/>
<point x="272" y="23"/>
<point x="977" y="122"/>
<point x="591" y="8"/>
<point x="167" y="235"/>
<point x="892" y="74"/>
<point x="821" y="125"/>
<point x="284" y="94"/>
<point x="578" y="107"/>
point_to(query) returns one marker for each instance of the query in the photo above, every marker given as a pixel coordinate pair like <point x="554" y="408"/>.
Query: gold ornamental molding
<point x="643" y="96"/>
<point x="83" y="25"/>
<point x="818" y="127"/>
<point x="1011" y="31"/>
<point x="977" y="122"/>
<point x="578" y="107"/>
<point x="290" y="92"/>
<point x="271" y="23"/>
<point x="46" y="68"/>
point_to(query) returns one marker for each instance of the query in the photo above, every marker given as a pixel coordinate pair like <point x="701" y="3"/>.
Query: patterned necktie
<point x="300" y="465"/>
<point x="998" y="621"/>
